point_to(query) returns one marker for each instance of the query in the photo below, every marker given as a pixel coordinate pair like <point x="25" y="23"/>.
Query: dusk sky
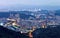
<point x="8" y="3"/>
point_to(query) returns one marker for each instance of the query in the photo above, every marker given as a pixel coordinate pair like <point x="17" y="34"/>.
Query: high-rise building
<point x="17" y="17"/>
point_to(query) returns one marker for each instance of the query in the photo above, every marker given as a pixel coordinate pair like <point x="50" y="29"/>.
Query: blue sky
<point x="11" y="3"/>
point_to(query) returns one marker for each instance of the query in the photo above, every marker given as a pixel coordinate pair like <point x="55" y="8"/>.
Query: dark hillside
<point x="6" y="33"/>
<point x="52" y="32"/>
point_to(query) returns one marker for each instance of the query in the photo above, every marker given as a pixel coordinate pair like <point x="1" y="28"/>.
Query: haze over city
<point x="24" y="4"/>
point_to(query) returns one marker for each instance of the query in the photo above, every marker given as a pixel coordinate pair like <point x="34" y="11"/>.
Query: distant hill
<point x="57" y="12"/>
<point x="23" y="14"/>
<point x="26" y="14"/>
